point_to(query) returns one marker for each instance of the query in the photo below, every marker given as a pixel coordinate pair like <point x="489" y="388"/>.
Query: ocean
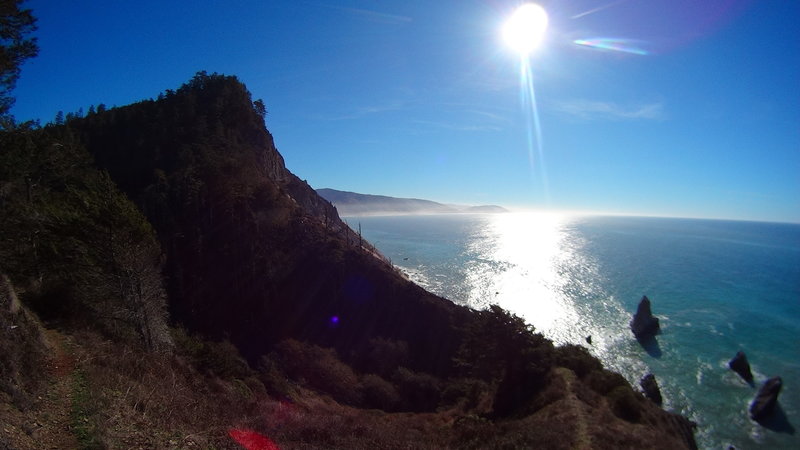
<point x="717" y="287"/>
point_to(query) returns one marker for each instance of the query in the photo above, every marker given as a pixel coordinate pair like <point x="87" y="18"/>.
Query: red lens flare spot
<point x="251" y="440"/>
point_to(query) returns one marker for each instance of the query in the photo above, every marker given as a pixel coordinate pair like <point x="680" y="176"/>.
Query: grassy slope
<point x="96" y="395"/>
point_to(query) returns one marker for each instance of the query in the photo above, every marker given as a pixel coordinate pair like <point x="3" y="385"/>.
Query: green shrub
<point x="384" y="356"/>
<point x="255" y="386"/>
<point x="474" y="432"/>
<point x="242" y="388"/>
<point x="318" y="368"/>
<point x="604" y="381"/>
<point x="577" y="359"/>
<point x="586" y="394"/>
<point x="419" y="391"/>
<point x="500" y="347"/>
<point x="625" y="404"/>
<point x="496" y="338"/>
<point x="379" y="393"/>
<point x="186" y="344"/>
<point x="464" y="391"/>
<point x="221" y="359"/>
<point x="274" y="380"/>
<point x="522" y="380"/>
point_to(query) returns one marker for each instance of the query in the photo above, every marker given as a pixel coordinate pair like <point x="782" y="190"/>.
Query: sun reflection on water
<point x="541" y="266"/>
<point x="573" y="276"/>
<point x="517" y="267"/>
<point x="535" y="265"/>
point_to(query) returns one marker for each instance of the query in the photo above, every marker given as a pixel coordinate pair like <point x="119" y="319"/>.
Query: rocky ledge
<point x="650" y="389"/>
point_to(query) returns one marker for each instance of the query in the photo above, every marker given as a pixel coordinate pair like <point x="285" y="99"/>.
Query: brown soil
<point x="46" y="423"/>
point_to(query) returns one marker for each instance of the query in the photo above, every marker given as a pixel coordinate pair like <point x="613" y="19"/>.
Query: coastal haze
<point x="351" y="203"/>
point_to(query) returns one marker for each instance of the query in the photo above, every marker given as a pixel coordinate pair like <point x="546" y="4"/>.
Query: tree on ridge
<point x="16" y="46"/>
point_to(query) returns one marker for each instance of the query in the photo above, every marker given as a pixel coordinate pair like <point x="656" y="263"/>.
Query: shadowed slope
<point x="253" y="253"/>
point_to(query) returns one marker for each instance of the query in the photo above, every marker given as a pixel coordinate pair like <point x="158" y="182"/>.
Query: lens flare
<point x="612" y="45"/>
<point x="252" y="440"/>
<point x="523" y="32"/>
<point x="525" y="29"/>
<point x="529" y="107"/>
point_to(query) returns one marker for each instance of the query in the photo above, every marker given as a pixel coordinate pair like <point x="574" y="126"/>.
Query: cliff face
<point x="312" y="203"/>
<point x="253" y="253"/>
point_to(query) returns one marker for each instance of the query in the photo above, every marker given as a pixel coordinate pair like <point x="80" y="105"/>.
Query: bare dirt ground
<point x="46" y="422"/>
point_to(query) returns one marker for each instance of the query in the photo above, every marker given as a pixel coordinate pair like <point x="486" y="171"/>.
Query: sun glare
<point x="525" y="29"/>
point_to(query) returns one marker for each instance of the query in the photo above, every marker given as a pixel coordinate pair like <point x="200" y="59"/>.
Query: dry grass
<point x="23" y="348"/>
<point x="154" y="400"/>
<point x="127" y="398"/>
<point x="105" y="394"/>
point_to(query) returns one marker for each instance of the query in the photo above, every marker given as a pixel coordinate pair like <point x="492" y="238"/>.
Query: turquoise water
<point x="717" y="287"/>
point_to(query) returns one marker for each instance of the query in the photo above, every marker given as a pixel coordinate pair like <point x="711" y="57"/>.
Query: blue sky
<point x="422" y="98"/>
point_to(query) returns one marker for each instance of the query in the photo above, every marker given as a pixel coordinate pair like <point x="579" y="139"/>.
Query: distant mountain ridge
<point x="353" y="203"/>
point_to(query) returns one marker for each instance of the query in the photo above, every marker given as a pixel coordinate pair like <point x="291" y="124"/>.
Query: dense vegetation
<point x="245" y="260"/>
<point x="184" y="203"/>
<point x="80" y="248"/>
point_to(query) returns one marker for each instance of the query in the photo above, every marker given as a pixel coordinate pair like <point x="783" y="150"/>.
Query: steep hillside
<point x="77" y="246"/>
<point x="253" y="253"/>
<point x="341" y="350"/>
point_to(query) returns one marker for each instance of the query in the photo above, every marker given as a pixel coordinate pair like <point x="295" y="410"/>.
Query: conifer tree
<point x="260" y="108"/>
<point x="16" y="24"/>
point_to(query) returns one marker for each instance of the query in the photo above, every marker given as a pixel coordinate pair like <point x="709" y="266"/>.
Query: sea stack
<point x="766" y="399"/>
<point x="644" y="325"/>
<point x="650" y="388"/>
<point x="740" y="365"/>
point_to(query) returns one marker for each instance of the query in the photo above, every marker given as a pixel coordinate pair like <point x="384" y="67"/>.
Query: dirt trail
<point x="575" y="406"/>
<point x="46" y="424"/>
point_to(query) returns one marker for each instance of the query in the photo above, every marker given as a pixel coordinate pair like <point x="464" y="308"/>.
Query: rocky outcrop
<point x="644" y="325"/>
<point x="312" y="203"/>
<point x="764" y="404"/>
<point x="740" y="365"/>
<point x="650" y="389"/>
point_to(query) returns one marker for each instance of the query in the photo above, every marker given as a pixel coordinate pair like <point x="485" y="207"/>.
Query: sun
<point x="525" y="28"/>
